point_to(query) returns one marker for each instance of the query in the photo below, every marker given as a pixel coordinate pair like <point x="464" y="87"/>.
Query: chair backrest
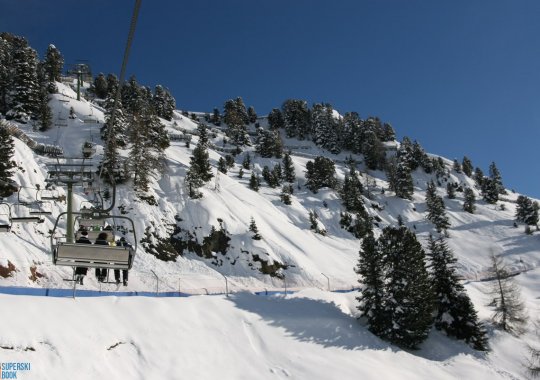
<point x="92" y="236"/>
<point x="93" y="256"/>
<point x="5" y="228"/>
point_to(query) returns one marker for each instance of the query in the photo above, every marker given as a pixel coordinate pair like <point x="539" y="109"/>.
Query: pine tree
<point x="526" y="211"/>
<point x="456" y="166"/>
<point x="288" y="168"/>
<point x="275" y="120"/>
<point x="100" y="86"/>
<point x="285" y="195"/>
<point x="470" y="199"/>
<point x="490" y="190"/>
<point x="351" y="192"/>
<point x="53" y="64"/>
<point x="25" y="92"/>
<point x="252" y="115"/>
<point x="450" y="190"/>
<point x="509" y="311"/>
<point x="246" y="163"/>
<point x="199" y="171"/>
<point x="7" y="149"/>
<point x="216" y="117"/>
<point x="313" y="217"/>
<point x="408" y="299"/>
<point x="236" y="118"/>
<point x="320" y="173"/>
<point x="44" y="113"/>
<point x="296" y="118"/>
<point x="373" y="151"/>
<point x="268" y="143"/>
<point x="113" y="132"/>
<point x="467" y="166"/>
<point x="253" y="228"/>
<point x="402" y="182"/>
<point x="202" y="131"/>
<point x="241" y="173"/>
<point x="436" y="210"/>
<point x="148" y="141"/>
<point x="455" y="311"/>
<point x="496" y="178"/>
<point x="222" y="165"/>
<point x="370" y="269"/>
<point x="254" y="182"/>
<point x="479" y="177"/>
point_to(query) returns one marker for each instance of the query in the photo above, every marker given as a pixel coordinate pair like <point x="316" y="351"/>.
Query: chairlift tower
<point x="82" y="71"/>
<point x="71" y="172"/>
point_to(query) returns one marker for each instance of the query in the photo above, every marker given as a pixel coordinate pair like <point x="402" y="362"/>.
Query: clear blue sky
<point x="460" y="76"/>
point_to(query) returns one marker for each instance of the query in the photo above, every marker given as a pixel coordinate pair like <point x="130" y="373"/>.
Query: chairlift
<point x="21" y="217"/>
<point x="54" y="195"/>
<point x="93" y="255"/>
<point x="37" y="208"/>
<point x="5" y="225"/>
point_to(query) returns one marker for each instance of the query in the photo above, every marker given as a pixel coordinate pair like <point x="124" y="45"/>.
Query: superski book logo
<point x="10" y="370"/>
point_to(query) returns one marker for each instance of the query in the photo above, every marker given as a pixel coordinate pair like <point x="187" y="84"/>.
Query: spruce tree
<point x="455" y="313"/>
<point x="285" y="195"/>
<point x="202" y="131"/>
<point x="199" y="171"/>
<point x="254" y="182"/>
<point x="222" y="165"/>
<point x="296" y="118"/>
<point x="236" y="118"/>
<point x="470" y="199"/>
<point x="253" y="228"/>
<point x="7" y="149"/>
<point x="25" y="93"/>
<point x="351" y="192"/>
<point x="246" y="163"/>
<point x="490" y="190"/>
<point x="456" y="166"/>
<point x="288" y="168"/>
<point x="370" y="269"/>
<point x="44" y="113"/>
<point x="436" y="210"/>
<point x="450" y="190"/>
<point x="275" y="120"/>
<point x="496" y="178"/>
<point x="526" y="211"/>
<point x="252" y="115"/>
<point x="320" y="173"/>
<point x="408" y="298"/>
<point x="467" y="166"/>
<point x="53" y="64"/>
<point x="100" y="86"/>
<point x="509" y="311"/>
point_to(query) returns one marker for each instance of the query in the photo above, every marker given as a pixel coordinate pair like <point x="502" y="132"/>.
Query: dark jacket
<point x="101" y="242"/>
<point x="83" y="240"/>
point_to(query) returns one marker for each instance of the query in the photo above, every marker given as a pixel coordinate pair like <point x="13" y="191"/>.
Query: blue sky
<point x="461" y="76"/>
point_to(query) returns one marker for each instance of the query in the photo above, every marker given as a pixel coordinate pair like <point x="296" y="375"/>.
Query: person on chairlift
<point x="80" y="272"/>
<point x="101" y="273"/>
<point x="121" y="243"/>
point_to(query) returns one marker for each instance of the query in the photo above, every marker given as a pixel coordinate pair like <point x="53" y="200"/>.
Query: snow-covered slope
<point x="303" y="336"/>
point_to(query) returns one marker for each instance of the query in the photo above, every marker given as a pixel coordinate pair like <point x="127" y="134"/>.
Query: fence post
<point x="285" y="283"/>
<point x="328" y="281"/>
<point x="179" y="278"/>
<point x="157" y="281"/>
<point x="226" y="285"/>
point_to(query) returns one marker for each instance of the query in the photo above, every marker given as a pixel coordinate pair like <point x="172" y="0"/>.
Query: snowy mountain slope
<point x="287" y="239"/>
<point x="300" y="338"/>
<point x="310" y="335"/>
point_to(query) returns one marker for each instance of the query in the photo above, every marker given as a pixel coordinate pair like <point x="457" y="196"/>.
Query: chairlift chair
<point x="5" y="225"/>
<point x="24" y="217"/>
<point x="40" y="209"/>
<point x="92" y="255"/>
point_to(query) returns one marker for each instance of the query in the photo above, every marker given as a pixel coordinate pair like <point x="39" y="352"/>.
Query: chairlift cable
<point x="131" y="33"/>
